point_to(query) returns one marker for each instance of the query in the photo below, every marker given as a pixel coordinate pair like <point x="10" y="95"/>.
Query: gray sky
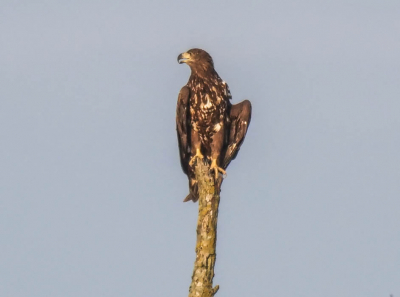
<point x="91" y="187"/>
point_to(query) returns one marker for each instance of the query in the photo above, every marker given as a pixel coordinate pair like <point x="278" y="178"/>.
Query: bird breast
<point x="207" y="102"/>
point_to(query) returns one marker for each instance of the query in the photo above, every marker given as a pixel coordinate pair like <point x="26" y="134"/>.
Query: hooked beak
<point x="183" y="58"/>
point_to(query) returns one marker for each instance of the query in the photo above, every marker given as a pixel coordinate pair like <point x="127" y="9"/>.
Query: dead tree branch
<point x="203" y="273"/>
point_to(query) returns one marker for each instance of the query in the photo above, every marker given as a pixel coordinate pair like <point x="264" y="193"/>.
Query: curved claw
<point x="217" y="169"/>
<point x="197" y="155"/>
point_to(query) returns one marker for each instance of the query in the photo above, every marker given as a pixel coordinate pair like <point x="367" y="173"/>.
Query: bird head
<point x="197" y="59"/>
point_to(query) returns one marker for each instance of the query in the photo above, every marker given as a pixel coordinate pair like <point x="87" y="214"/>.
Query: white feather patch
<point x="217" y="127"/>
<point x="208" y="104"/>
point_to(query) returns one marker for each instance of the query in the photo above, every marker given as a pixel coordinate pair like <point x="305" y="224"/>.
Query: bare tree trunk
<point x="203" y="273"/>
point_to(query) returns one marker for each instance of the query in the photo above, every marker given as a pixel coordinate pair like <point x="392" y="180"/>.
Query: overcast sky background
<point x="91" y="187"/>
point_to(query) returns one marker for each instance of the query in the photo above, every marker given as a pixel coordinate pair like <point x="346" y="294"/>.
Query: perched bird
<point x="208" y="125"/>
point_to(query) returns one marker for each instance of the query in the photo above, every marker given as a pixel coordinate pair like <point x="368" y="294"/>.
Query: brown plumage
<point x="207" y="123"/>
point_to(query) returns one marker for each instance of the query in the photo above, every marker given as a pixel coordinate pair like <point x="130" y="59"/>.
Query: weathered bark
<point x="203" y="273"/>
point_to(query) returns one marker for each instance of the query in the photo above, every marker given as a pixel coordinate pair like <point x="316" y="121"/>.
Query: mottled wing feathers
<point x="239" y="118"/>
<point x="182" y="127"/>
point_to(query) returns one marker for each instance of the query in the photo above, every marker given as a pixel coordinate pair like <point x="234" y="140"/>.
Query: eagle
<point x="207" y="123"/>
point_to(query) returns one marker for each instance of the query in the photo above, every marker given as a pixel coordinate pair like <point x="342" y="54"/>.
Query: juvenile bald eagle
<point x="206" y="122"/>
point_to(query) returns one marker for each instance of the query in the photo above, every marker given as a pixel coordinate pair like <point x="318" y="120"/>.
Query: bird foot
<point x="197" y="155"/>
<point x="217" y="169"/>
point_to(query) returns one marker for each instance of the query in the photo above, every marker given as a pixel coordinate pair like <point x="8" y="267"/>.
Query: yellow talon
<point x="216" y="169"/>
<point x="197" y="155"/>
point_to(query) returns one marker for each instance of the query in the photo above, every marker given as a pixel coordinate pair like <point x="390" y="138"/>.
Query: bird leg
<point x="197" y="155"/>
<point x="216" y="168"/>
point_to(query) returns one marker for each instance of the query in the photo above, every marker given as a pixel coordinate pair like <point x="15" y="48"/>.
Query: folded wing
<point x="183" y="127"/>
<point x="239" y="121"/>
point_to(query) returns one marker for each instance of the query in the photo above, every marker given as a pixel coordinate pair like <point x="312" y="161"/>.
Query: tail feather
<point x="188" y="198"/>
<point x="193" y="191"/>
